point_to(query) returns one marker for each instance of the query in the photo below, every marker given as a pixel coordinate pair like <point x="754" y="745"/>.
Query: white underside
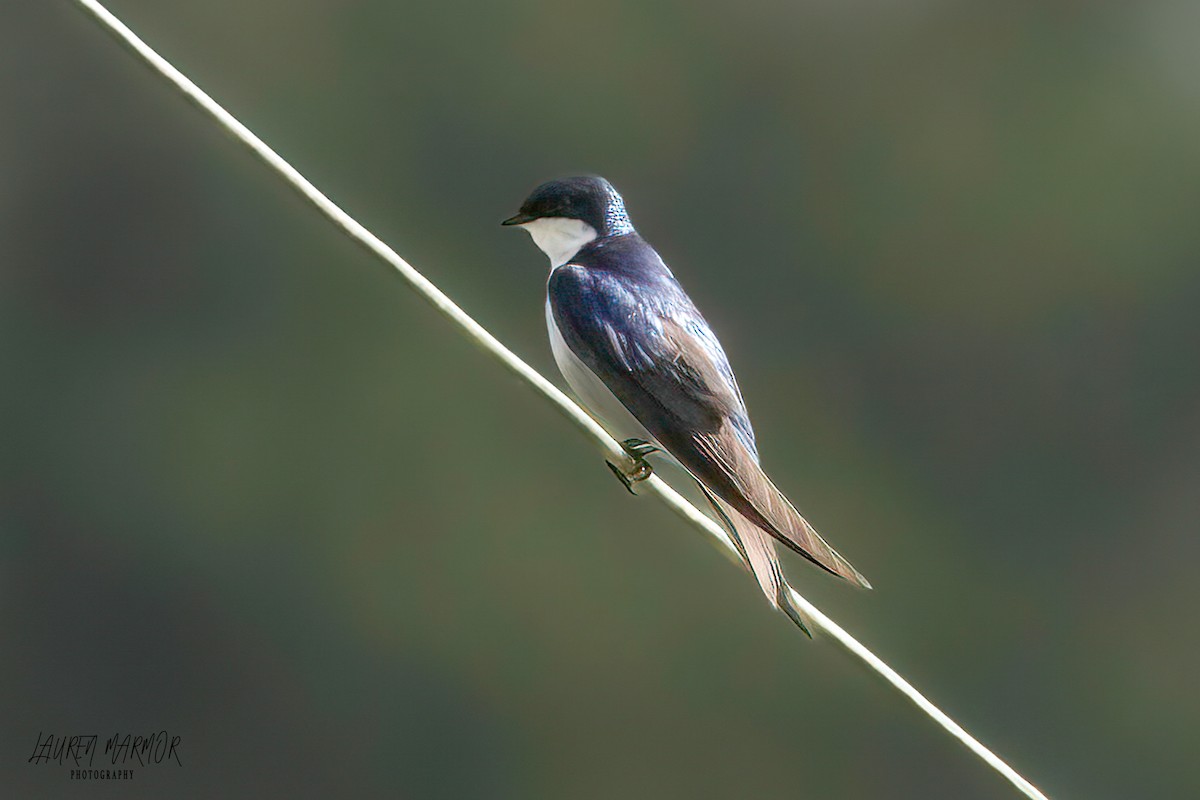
<point x="559" y="237"/>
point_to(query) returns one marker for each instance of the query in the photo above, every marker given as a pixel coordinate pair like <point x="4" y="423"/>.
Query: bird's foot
<point x="637" y="449"/>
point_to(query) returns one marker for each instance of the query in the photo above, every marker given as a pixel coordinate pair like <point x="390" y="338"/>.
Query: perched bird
<point x="638" y="354"/>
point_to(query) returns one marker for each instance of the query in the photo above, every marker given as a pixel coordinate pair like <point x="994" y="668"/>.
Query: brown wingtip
<point x="734" y="475"/>
<point x="837" y="563"/>
<point x="856" y="577"/>
<point x="834" y="561"/>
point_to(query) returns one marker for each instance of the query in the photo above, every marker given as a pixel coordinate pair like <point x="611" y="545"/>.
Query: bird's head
<point x="564" y="215"/>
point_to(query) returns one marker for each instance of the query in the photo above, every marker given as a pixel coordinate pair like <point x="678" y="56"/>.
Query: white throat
<point x="560" y="238"/>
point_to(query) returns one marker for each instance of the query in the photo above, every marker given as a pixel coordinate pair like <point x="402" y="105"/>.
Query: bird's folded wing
<point x="728" y="469"/>
<point x="657" y="355"/>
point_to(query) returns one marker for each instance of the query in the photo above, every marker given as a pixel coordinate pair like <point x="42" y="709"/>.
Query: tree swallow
<point x="638" y="354"/>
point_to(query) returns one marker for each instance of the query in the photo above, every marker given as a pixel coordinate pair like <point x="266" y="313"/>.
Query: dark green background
<point x="256" y="493"/>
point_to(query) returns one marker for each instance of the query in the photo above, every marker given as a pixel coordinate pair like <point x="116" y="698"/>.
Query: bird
<point x="646" y="365"/>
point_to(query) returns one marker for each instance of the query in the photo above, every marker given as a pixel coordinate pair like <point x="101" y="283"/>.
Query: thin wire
<point x="477" y="334"/>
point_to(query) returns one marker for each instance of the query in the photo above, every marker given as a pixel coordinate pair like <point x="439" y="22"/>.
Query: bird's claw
<point x="637" y="449"/>
<point x="640" y="472"/>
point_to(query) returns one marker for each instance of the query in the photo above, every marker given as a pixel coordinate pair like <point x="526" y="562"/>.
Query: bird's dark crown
<point x="588" y="198"/>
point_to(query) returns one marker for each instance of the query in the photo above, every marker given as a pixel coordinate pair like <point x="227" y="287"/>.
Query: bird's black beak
<point x="519" y="219"/>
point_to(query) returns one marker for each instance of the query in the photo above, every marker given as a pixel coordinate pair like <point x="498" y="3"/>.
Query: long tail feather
<point x="757" y="549"/>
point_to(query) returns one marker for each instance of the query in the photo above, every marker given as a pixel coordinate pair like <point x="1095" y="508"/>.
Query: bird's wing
<point x="657" y="355"/>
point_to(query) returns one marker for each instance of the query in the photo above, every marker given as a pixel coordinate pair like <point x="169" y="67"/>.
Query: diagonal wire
<point x="477" y="334"/>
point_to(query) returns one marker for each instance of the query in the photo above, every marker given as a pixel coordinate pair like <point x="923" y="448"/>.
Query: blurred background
<point x="256" y="493"/>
